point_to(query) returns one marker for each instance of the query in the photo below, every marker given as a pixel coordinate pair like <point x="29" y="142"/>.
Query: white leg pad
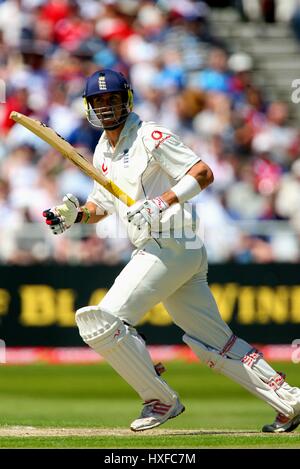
<point x="272" y="389"/>
<point x="124" y="350"/>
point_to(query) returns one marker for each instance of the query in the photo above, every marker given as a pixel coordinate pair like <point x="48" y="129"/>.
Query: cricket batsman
<point x="155" y="168"/>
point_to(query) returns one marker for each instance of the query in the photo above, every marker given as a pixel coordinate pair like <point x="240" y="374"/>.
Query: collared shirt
<point x="146" y="162"/>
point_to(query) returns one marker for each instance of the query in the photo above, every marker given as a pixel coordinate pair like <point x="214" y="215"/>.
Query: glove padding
<point x="147" y="212"/>
<point x="60" y="218"/>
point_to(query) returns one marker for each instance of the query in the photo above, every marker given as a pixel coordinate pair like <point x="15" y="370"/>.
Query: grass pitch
<point x="43" y="406"/>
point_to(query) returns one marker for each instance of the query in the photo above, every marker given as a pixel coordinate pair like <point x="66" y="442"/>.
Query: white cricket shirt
<point x="147" y="161"/>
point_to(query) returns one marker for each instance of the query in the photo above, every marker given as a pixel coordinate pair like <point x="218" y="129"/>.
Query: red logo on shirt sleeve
<point x="156" y="135"/>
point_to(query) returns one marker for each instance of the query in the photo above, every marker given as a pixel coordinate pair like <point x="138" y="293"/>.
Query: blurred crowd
<point x="183" y="77"/>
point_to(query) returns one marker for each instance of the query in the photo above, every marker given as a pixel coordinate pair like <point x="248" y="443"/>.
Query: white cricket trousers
<point x="172" y="271"/>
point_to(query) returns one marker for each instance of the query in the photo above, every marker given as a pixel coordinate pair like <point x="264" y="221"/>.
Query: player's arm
<point x="182" y="164"/>
<point x="197" y="178"/>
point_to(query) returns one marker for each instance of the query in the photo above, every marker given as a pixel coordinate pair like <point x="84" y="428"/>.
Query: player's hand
<point x="60" y="218"/>
<point x="147" y="212"/>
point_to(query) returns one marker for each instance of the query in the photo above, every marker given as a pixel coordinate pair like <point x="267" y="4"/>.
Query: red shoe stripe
<point x="161" y="409"/>
<point x="162" y="403"/>
<point x="166" y="408"/>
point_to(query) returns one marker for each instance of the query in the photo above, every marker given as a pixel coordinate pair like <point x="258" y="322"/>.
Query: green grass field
<point x="45" y="406"/>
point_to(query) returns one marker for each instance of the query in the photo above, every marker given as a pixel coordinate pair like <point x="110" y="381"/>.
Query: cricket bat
<point x="68" y="151"/>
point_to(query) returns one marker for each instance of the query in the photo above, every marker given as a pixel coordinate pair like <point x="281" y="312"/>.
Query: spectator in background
<point x="189" y="104"/>
<point x="242" y="199"/>
<point x="11" y="21"/>
<point x="61" y="117"/>
<point x="215" y="119"/>
<point x="253" y="249"/>
<point x="288" y="195"/>
<point x="215" y="77"/>
<point x="16" y="101"/>
<point x="240" y="64"/>
<point x="276" y="136"/>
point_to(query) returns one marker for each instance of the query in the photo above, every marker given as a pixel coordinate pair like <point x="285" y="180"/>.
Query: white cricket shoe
<point x="282" y="424"/>
<point x="155" y="413"/>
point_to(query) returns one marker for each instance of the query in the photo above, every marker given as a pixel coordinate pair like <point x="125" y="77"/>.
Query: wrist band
<point x="83" y="210"/>
<point x="186" y="188"/>
<point x="87" y="213"/>
<point x="160" y="203"/>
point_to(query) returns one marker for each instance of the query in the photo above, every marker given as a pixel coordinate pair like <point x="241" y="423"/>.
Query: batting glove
<point x="147" y="211"/>
<point x="60" y="218"/>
